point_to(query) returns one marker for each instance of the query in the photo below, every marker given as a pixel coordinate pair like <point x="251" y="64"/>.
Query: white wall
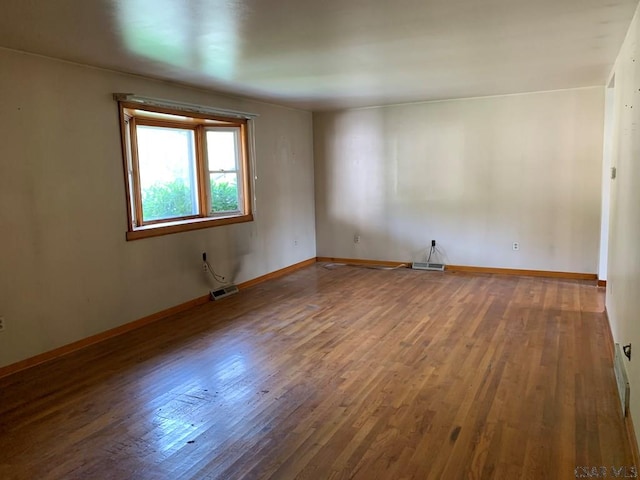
<point x="623" y="282"/>
<point x="66" y="270"/>
<point x="476" y="175"/>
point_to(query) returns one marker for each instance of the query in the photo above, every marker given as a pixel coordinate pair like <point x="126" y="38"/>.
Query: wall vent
<point x="428" y="266"/>
<point x="621" y="379"/>
<point x="223" y="292"/>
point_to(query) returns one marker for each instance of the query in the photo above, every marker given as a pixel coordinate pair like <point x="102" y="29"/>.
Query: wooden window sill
<point x="185" y="226"/>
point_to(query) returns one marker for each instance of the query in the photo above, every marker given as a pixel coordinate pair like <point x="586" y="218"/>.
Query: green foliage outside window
<point x="224" y="197"/>
<point x="167" y="200"/>
<point x="174" y="199"/>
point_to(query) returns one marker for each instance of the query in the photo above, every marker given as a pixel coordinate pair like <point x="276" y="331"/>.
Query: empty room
<point x="321" y="240"/>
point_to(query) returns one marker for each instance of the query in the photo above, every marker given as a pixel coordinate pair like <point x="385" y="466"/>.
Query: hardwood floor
<point x="334" y="373"/>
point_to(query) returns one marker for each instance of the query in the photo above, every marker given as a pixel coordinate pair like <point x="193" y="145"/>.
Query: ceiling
<point x="325" y="54"/>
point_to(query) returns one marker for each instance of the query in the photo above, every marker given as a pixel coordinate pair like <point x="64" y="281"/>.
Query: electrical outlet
<point x="433" y="243"/>
<point x="2" y="324"/>
<point x="356" y="239"/>
<point x="516" y="246"/>
<point x="205" y="267"/>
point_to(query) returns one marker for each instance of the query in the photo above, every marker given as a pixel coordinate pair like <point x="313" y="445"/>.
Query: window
<point x="184" y="170"/>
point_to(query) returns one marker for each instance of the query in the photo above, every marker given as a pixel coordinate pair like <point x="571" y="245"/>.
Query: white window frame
<point x="238" y="168"/>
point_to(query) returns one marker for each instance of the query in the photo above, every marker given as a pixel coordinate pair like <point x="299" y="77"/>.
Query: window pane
<point x="167" y="167"/>
<point x="224" y="192"/>
<point x="222" y="150"/>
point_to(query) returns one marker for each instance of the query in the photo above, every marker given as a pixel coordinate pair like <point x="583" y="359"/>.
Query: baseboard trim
<point x="602" y="283"/>
<point x="277" y="273"/>
<point x="127" y="327"/>
<point x="359" y="261"/>
<point x="525" y="273"/>
<point x="469" y="269"/>
<point x="100" y="337"/>
<point x="611" y="342"/>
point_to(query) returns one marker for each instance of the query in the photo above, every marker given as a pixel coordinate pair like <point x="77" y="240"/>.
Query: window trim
<point x="238" y="169"/>
<point x="199" y="122"/>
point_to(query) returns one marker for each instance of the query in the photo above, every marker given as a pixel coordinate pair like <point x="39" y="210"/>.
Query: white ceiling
<point x="323" y="54"/>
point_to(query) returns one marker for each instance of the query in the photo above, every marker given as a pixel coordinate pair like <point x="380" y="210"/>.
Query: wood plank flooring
<point x="334" y="373"/>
